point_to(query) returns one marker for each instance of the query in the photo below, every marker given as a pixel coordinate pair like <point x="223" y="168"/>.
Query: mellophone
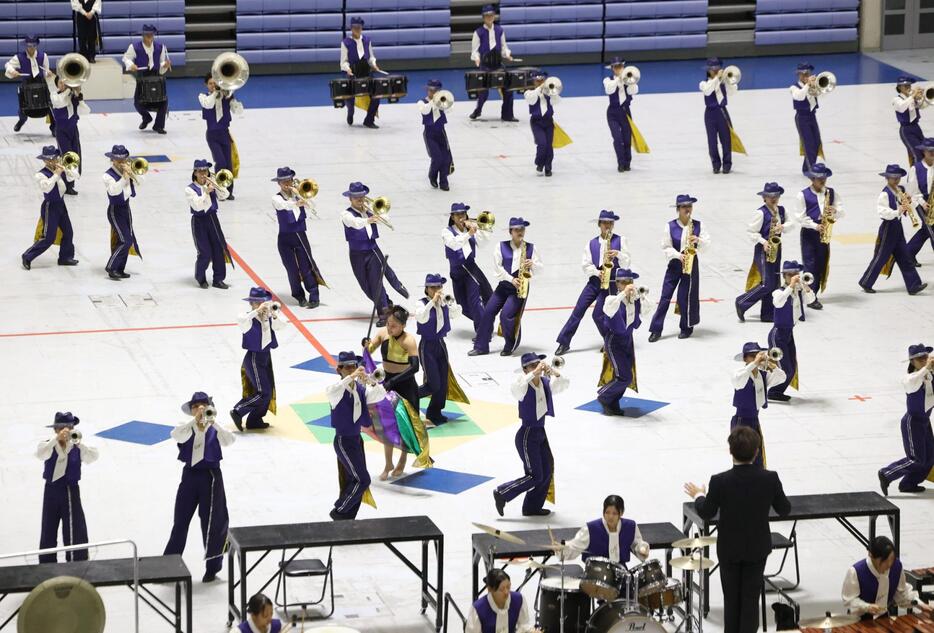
<point x="909" y="623"/>
<point x="388" y="87"/>
<point x="509" y="79"/>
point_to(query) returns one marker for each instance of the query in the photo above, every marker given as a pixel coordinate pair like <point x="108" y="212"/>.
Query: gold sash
<point x="248" y="390"/>
<point x="638" y="141"/>
<point x="735" y="143"/>
<point x="561" y="137"/>
<point x="342" y="480"/>
<point x="40" y="232"/>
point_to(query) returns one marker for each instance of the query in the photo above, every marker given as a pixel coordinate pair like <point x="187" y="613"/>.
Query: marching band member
<point x="621" y="314"/>
<point x="751" y="384"/>
<point x="501" y="609"/>
<point x="515" y="262"/>
<point x="147" y="57"/>
<point x="533" y="389"/>
<point x="121" y="183"/>
<point x="259" y="620"/>
<point x="682" y="241"/>
<point x="716" y="118"/>
<point x="436" y="139"/>
<point x="54" y="225"/>
<point x="357" y="60"/>
<point x="602" y="256"/>
<point x="399" y="352"/>
<point x="488" y="49"/>
<point x="765" y="229"/>
<point x="921" y="188"/>
<point x="789" y="302"/>
<point x="32" y="66"/>
<point x="908" y="103"/>
<point x="434" y="316"/>
<point x="63" y="455"/>
<point x="349" y="398"/>
<point x="202" y="487"/>
<point x="916" y="425"/>
<point x="819" y="207"/>
<point x="804" y="98"/>
<point x="542" y="120"/>
<point x="367" y="261"/>
<point x="891" y="247"/>
<point x="618" y="114"/>
<point x="471" y="287"/>
<point x="210" y="243"/>
<point x="85" y="15"/>
<point x="877" y="582"/>
<point x="259" y="326"/>
<point x="217" y="108"/>
<point x="67" y="107"/>
<point x="611" y="536"/>
<point x="294" y="248"/>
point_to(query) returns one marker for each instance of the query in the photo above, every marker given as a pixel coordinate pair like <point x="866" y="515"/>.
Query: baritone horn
<point x="230" y="71"/>
<point x="631" y="75"/>
<point x="73" y="69"/>
<point x="379" y="207"/>
<point x="444" y="99"/>
<point x="826" y="82"/>
<point x="732" y="75"/>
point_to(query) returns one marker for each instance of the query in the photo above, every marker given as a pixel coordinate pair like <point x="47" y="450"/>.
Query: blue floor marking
<point x="316" y="364"/>
<point x="634" y="407"/>
<point x="138" y="432"/>
<point x="439" y="480"/>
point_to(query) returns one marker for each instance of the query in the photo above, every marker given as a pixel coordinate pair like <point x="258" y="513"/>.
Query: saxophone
<point x="606" y="269"/>
<point x="524" y="275"/>
<point x="775" y="238"/>
<point x="904" y="203"/>
<point x="826" y="219"/>
<point x="929" y="216"/>
<point x="687" y="264"/>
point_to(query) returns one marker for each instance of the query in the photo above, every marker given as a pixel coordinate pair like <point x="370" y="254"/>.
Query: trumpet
<point x="552" y="87"/>
<point x="776" y="354"/>
<point x="230" y="71"/>
<point x="485" y="221"/>
<point x="928" y="95"/>
<point x="377" y="376"/>
<point x="641" y="292"/>
<point x="824" y="83"/>
<point x="73" y="69"/>
<point x="209" y="415"/>
<point x="807" y="278"/>
<point x="630" y="75"/>
<point x="71" y="161"/>
<point x="731" y="75"/>
<point x="448" y="299"/>
<point x="222" y="179"/>
<point x="379" y="207"/>
<point x="443" y="100"/>
<point x="75" y="436"/>
<point x="557" y="362"/>
<point x="271" y="307"/>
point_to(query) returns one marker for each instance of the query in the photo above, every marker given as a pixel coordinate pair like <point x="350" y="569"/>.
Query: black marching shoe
<point x="114" y="276"/>
<point x="18" y="126"/>
<point x="144" y="125"/>
<point x="654" y="336"/>
<point x="203" y="285"/>
<point x="779" y="397"/>
<point x="433" y="183"/>
<point x="474" y="115"/>
<point x="499" y="501"/>
<point x="539" y="168"/>
<point x="548" y="172"/>
<point x="613" y="410"/>
<point x="221" y="285"/>
<point x="208" y="577"/>
<point x="913" y="489"/>
<point x="372" y="126"/>
<point x="71" y="192"/>
<point x="313" y="304"/>
<point x="816" y="305"/>
<point x="739" y="313"/>
<point x="477" y="352"/>
<point x="884" y="484"/>
<point x="302" y="303"/>
<point x="159" y="131"/>
<point x="562" y="350"/>
<point x="505" y="352"/>
<point x="511" y="119"/>
<point x="620" y="168"/>
<point x="918" y="289"/>
<point x="727" y="170"/>
<point x="686" y="333"/>
<point x="536" y="513"/>
<point x="445" y="186"/>
<point x="230" y="198"/>
<point x="868" y="290"/>
<point x="123" y="275"/>
<point x="716" y="170"/>
<point x="68" y="262"/>
<point x="237" y="419"/>
<point x="26" y="264"/>
<point x="259" y="426"/>
<point x="627" y="168"/>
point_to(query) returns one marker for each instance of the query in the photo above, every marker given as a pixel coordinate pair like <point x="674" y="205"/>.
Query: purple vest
<point x="25" y="66"/>
<point x="274" y="627"/>
<point x="922" y="175"/>
<point x="61" y="114"/>
<point x="287" y="221"/>
<point x="537" y="113"/>
<point x="869" y="584"/>
<point x="359" y="239"/>
<point x="487" y="615"/>
<point x="527" y="411"/>
<point x="595" y="244"/>
<point x="351" y="45"/>
<point x="784" y="316"/>
<point x="614" y="100"/>
<point x="893" y="202"/>
<point x="767" y="219"/>
<point x="342" y="415"/>
<point x="717" y="98"/>
<point x="618" y="325"/>
<point x="253" y="340"/>
<point x="212" y="209"/>
<point x="72" y="468"/>
<point x="142" y="60"/>
<point x="811" y="203"/>
<point x="505" y="248"/>
<point x="486" y="59"/>
<point x="212" y="451"/>
<point x="210" y="116"/>
<point x="457" y="257"/>
<point x="428" y="120"/>
<point x="428" y="330"/>
<point x="745" y="399"/>
<point x="804" y="106"/>
<point x="600" y="539"/>
<point x="915" y="403"/>
<point x="904" y="118"/>
<point x="53" y="195"/>
<point x="675" y="230"/>
<point x="117" y="200"/>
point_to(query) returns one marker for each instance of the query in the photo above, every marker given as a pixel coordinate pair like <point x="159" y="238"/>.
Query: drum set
<point x="388" y="87"/>
<point x="509" y="79"/>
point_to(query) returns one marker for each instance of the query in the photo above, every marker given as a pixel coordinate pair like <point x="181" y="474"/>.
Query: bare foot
<point x="383" y="476"/>
<point x="398" y="472"/>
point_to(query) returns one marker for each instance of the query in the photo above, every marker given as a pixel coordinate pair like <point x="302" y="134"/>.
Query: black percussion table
<point x="265" y="539"/>
<point x="489" y="549"/>
<point x="110" y="573"/>
<point x="841" y="506"/>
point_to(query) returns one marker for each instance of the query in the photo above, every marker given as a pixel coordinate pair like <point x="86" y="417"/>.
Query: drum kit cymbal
<point x="695" y="542"/>
<point x="500" y="534"/>
<point x="828" y="621"/>
<point x="692" y="563"/>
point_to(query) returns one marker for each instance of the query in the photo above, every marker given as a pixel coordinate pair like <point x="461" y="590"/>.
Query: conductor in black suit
<point x="743" y="496"/>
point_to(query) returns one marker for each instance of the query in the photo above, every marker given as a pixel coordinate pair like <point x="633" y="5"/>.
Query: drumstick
<point x="382" y="72"/>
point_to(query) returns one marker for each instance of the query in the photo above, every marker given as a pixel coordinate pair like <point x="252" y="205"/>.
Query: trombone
<point x="379" y="207"/>
<point x="135" y="167"/>
<point x="485" y="221"/>
<point x="221" y="180"/>
<point x="305" y="190"/>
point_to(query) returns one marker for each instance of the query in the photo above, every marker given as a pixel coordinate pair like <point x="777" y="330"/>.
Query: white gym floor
<point x="111" y="352"/>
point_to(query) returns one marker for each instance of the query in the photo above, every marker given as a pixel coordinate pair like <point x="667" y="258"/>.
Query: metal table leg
<point x="440" y="585"/>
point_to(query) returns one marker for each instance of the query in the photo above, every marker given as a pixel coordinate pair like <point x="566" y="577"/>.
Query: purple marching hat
<point x="531" y="359"/>
<point x="792" y="266"/>
<point x="518" y="223"/>
<point x="772" y="190"/>
<point x="63" y="420"/>
<point x="616" y="61"/>
<point x="624" y="273"/>
<point x="348" y="358"/>
<point x="805" y="67"/>
<point x="356" y="21"/>
<point x="200" y="163"/>
<point x="684" y="199"/>
<point x="927" y="145"/>
<point x="283" y="173"/>
<point x="905" y="80"/>
<point x="540" y="74"/>
<point x="118" y="152"/>
<point x="459" y="207"/>
<point x="893" y="171"/>
<point x="487" y="8"/>
<point x="31" y="40"/>
<point x="198" y="397"/>
<point x="818" y="170"/>
<point x="749" y="348"/>
<point x="149" y="29"/>
<point x="258" y="295"/>
<point x="49" y="152"/>
<point x="434" y="83"/>
<point x="607" y="216"/>
<point x="356" y="190"/>
<point x="713" y="63"/>
<point x="433" y="279"/>
<point x="914" y="351"/>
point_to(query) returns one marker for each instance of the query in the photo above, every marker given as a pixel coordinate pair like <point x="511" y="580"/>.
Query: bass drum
<point x="576" y="606"/>
<point x="613" y="617"/>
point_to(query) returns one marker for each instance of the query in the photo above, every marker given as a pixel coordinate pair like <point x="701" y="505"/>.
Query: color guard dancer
<point x="891" y="247"/>
<point x="804" y="98"/>
<point x="349" y="398"/>
<point x="717" y="122"/>
<point x="602" y="256"/>
<point x="259" y="326"/>
<point x="358" y="60"/>
<point x="488" y="49"/>
<point x="471" y="287"/>
<point x="67" y="107"/>
<point x="542" y="120"/>
<point x="621" y="314"/>
<point x="819" y="207"/>
<point x="916" y="425"/>
<point x="202" y="486"/>
<point x="501" y="609"/>
<point x="210" y="244"/>
<point x="751" y="384"/>
<point x="533" y="389"/>
<point x="611" y="536"/>
<point x="294" y="248"/>
<point x="54" y="225"/>
<point x="682" y="241"/>
<point x="434" y="119"/>
<point x="147" y="57"/>
<point x="260" y="620"/>
<point x="121" y="183"/>
<point x="908" y="103"/>
<point x="87" y="23"/>
<point x="63" y="455"/>
<point x="789" y="302"/>
<point x="516" y="262"/>
<point x="434" y="315"/>
<point x="32" y="66"/>
<point x="921" y="188"/>
<point x="765" y="229"/>
<point x="618" y="115"/>
<point x="877" y="582"/>
<point x="217" y="108"/>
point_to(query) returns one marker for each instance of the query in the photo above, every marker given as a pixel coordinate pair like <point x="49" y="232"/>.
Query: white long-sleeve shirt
<point x="354" y="220"/>
<point x="581" y="541"/>
<point x="535" y="97"/>
<point x="129" y="58"/>
<point x="491" y="38"/>
<point x="63" y="99"/>
<point x="185" y="430"/>
<point x="913" y="187"/>
<point x="913" y="381"/>
<point x="703" y="241"/>
<point x="56" y="180"/>
<point x="345" y="60"/>
<point x="904" y="595"/>
<point x="95" y="8"/>
<point x="773" y="377"/>
<point x="524" y="623"/>
<point x="616" y="302"/>
<point x="461" y="241"/>
<point x="372" y="394"/>
<point x="781" y="295"/>
<point x="709" y="86"/>
<point x="883" y="209"/>
<point x="615" y="84"/>
<point x="203" y="202"/>
<point x="426" y="106"/>
<point x="291" y="204"/>
<point x="12" y="66"/>
<point x="524" y="382"/>
<point x="800" y="92"/>
<point x="623" y="259"/>
<point x="46" y="448"/>
<point x="506" y="275"/>
<point x="423" y="313"/>
<point x="245" y="322"/>
<point x="116" y="187"/>
<point x="214" y="100"/>
<point x="755" y="224"/>
<point x="901" y="103"/>
<point x="801" y="213"/>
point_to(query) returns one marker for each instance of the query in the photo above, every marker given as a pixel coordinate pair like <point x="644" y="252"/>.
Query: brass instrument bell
<point x="71" y="160"/>
<point x="486" y="220"/>
<point x="223" y="178"/>
<point x="73" y="69"/>
<point x="230" y="71"/>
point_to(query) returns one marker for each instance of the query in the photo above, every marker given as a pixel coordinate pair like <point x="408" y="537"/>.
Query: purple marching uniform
<point x="119" y="192"/>
<point x="295" y="250"/>
<point x="349" y="400"/>
<point x="258" y="339"/>
<point x="357" y="57"/>
<point x="908" y="115"/>
<point x="717" y="122"/>
<point x="674" y="243"/>
<point x="758" y="231"/>
<point x="367" y="261"/>
<point x="210" y="243"/>
<point x="247" y="626"/>
<point x="54" y="215"/>
<point x="61" y="500"/>
<point x="916" y="433"/>
<point x="489" y="47"/>
<point x="806" y="106"/>
<point x="216" y="111"/>
<point x="66" y="110"/>
<point x="436" y="142"/>
<point x="617" y="117"/>
<point x="789" y="307"/>
<point x="32" y="71"/>
<point x="920" y="184"/>
<point x="471" y="287"/>
<point x="619" y="320"/>
<point x="595" y="539"/>
<point x="433" y="324"/>
<point x="486" y="617"/>
<point x="201" y="488"/>
<point x="750" y="395"/>
<point x="814" y="253"/>
<point x="890" y="243"/>
<point x="542" y="121"/>
<point x="149" y="61"/>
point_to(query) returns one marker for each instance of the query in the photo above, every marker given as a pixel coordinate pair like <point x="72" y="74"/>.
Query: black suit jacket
<point x="743" y="496"/>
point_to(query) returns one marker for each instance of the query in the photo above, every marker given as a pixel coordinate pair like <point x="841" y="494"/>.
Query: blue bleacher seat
<point x="44" y="28"/>
<point x="144" y="8"/>
<point x="657" y="42"/>
<point x="172" y="7"/>
<point x="790" y="21"/>
<point x="548" y="47"/>
<point x="396" y="37"/>
<point x="403" y="19"/>
<point x="809" y="36"/>
<point x="315" y="6"/>
<point x="801" y="6"/>
<point x="317" y="39"/>
<point x="116" y="9"/>
<point x="644" y="10"/>
<point x="396" y="5"/>
<point x="556" y="13"/>
<point x="315" y="22"/>
<point x="420" y="51"/>
<point x="522" y="3"/>
<point x="668" y="26"/>
<point x="564" y="31"/>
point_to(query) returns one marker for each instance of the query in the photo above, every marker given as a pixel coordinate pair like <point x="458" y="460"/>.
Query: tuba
<point x="552" y="87"/>
<point x="630" y="75"/>
<point x="443" y="100"/>
<point x="732" y="75"/>
<point x="71" y="161"/>
<point x="826" y="82"/>
<point x="379" y="207"/>
<point x="525" y="276"/>
<point x="687" y="266"/>
<point x="485" y="221"/>
<point x="73" y="69"/>
<point x="230" y="71"/>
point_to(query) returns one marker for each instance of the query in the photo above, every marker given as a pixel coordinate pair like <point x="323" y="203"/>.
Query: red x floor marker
<point x="860" y="398"/>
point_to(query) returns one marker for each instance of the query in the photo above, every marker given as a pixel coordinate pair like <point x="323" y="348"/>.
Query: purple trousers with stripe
<point x="295" y="253"/>
<point x="769" y="274"/>
<point x="620" y="351"/>
<point x="543" y="131"/>
<point x="809" y="133"/>
<point x="433" y="357"/>
<point x="471" y="290"/>
<point x="121" y="221"/>
<point x="717" y="124"/>
<point x="919" y="453"/>
<point x="784" y="339"/>
<point x="221" y="151"/>
<point x="923" y="235"/>
<point x="538" y="465"/>
<point x="508" y="96"/>
<point x="752" y="421"/>
<point x="201" y="489"/>
<point x="209" y="248"/>
<point x="439" y="151"/>
<point x="54" y="217"/>
<point x="588" y="296"/>
<point x="891" y="243"/>
<point x="618" y="121"/>
<point x="688" y="299"/>
<point x="258" y="366"/>
<point x="503" y="298"/>
<point x="816" y="256"/>
<point x="349" y="450"/>
<point x="69" y="140"/>
<point x="366" y="266"/>
<point x="911" y="136"/>
<point x="61" y="504"/>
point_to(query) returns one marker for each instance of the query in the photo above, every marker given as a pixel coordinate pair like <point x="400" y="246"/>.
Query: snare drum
<point x="341" y="91"/>
<point x="521" y="78"/>
<point x="496" y="79"/>
<point x="671" y="595"/>
<point x="613" y="617"/>
<point x="650" y="576"/>
<point x="476" y="80"/>
<point x="150" y="91"/>
<point x="576" y="606"/>
<point x="34" y="99"/>
<point x="398" y="87"/>
<point x="380" y="88"/>
<point x="361" y="86"/>
<point x="603" y="579"/>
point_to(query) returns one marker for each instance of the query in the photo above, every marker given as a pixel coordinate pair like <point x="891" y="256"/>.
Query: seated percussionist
<point x="501" y="610"/>
<point x="611" y="537"/>
<point x="260" y="620"/>
<point x="877" y="581"/>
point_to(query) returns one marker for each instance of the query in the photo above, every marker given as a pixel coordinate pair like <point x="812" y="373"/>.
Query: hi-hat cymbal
<point x="828" y="621"/>
<point x="530" y="563"/>
<point x="500" y="534"/>
<point x="696" y="541"/>
<point x="689" y="563"/>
